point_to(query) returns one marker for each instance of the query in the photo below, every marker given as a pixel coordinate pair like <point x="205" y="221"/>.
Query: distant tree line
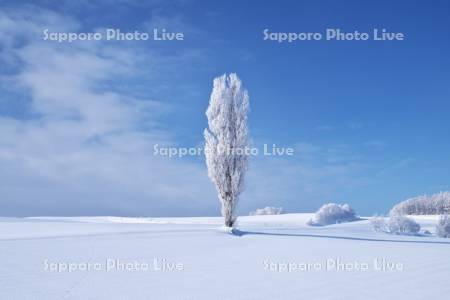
<point x="437" y="204"/>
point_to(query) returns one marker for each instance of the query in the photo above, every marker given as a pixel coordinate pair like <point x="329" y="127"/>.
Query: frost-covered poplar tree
<point x="226" y="141"/>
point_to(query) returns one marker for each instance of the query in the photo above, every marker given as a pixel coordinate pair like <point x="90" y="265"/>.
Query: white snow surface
<point x="216" y="264"/>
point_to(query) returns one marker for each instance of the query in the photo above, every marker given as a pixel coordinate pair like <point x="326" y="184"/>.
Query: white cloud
<point x="88" y="148"/>
<point x="86" y="143"/>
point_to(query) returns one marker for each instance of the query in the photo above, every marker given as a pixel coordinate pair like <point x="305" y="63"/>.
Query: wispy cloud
<point x="82" y="118"/>
<point x="88" y="147"/>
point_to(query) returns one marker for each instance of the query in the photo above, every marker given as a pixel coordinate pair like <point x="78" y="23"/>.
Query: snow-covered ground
<point x="272" y="257"/>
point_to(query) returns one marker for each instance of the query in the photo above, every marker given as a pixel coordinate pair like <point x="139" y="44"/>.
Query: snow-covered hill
<point x="272" y="257"/>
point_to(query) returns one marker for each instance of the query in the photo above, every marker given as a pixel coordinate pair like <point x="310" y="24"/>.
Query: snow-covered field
<point x="272" y="257"/>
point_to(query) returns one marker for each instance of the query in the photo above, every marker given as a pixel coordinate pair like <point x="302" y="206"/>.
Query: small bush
<point x="267" y="211"/>
<point x="378" y="223"/>
<point x="333" y="213"/>
<point x="443" y="226"/>
<point x="403" y="225"/>
<point x="395" y="224"/>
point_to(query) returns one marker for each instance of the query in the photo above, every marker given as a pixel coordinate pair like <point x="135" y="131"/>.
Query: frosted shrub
<point x="333" y="213"/>
<point x="268" y="210"/>
<point x="395" y="224"/>
<point x="402" y="225"/>
<point x="443" y="227"/>
<point x="378" y="223"/>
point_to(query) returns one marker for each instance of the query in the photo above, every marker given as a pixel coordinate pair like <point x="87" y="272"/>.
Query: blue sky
<point x="368" y="119"/>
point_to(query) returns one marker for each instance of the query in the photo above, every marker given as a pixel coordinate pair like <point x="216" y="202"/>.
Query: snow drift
<point x="238" y="261"/>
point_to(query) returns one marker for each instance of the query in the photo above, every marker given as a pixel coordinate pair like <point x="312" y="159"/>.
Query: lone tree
<point x="226" y="143"/>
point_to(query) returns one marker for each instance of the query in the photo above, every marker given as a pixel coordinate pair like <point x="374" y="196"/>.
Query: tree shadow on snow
<point x="243" y="233"/>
